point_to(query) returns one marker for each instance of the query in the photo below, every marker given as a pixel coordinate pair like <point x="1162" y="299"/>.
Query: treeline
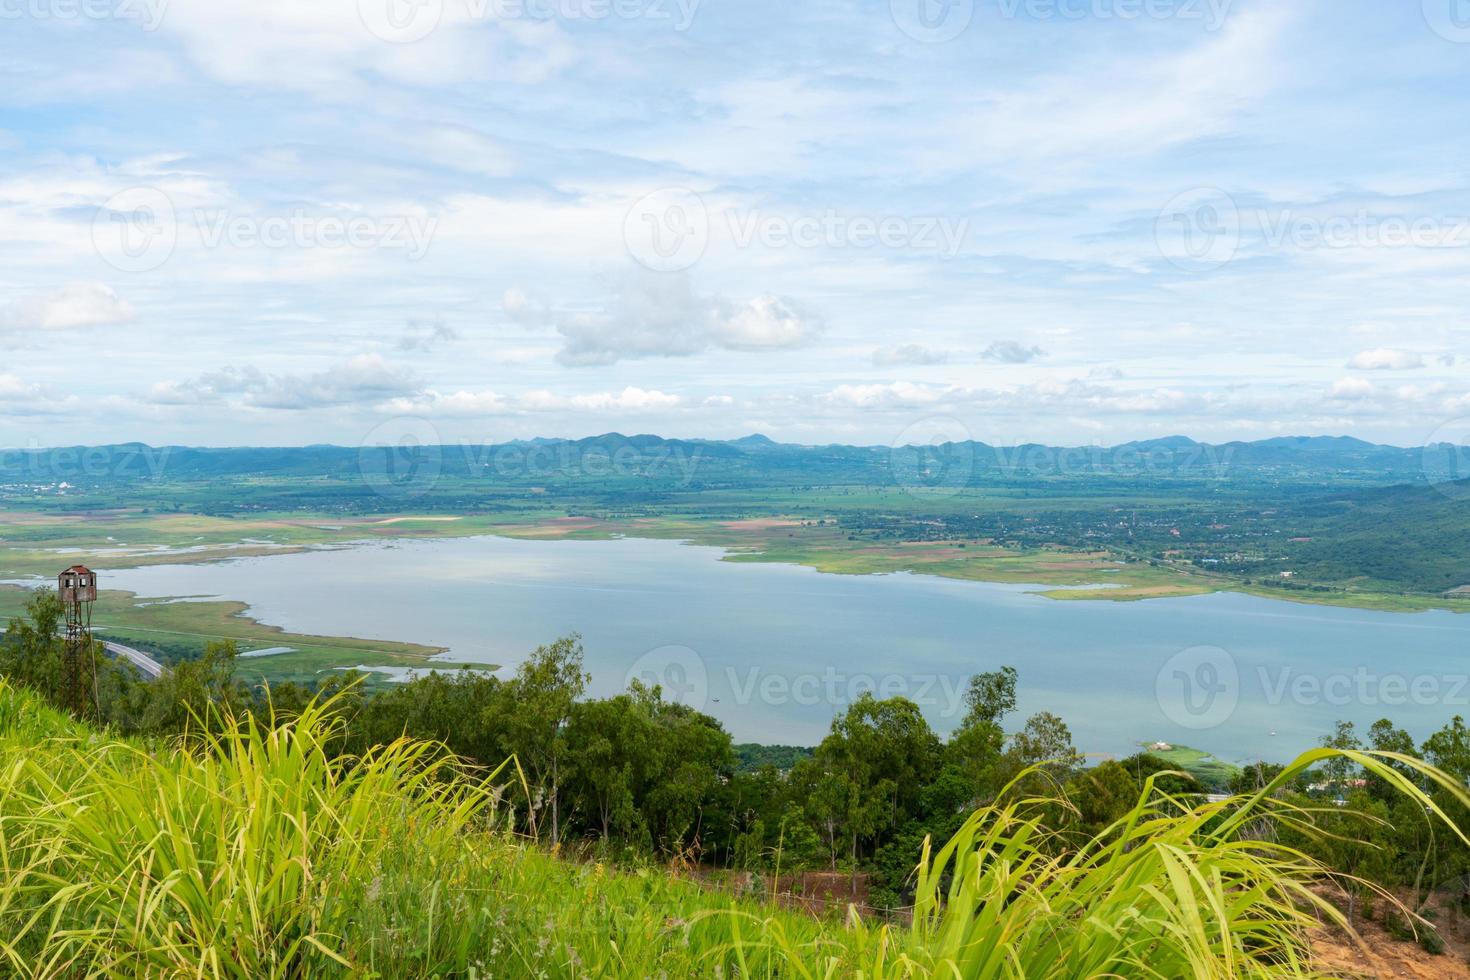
<point x="634" y="776"/>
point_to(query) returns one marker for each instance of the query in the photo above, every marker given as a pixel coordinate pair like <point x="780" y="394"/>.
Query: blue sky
<point x="274" y="222"/>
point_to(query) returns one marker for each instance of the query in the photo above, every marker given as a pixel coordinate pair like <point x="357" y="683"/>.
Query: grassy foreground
<point x="258" y="853"/>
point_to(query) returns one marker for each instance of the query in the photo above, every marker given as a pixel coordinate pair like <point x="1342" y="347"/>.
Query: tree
<point x="1338" y="772"/>
<point x="875" y="764"/>
<point x="1384" y="737"/>
<point x="990" y="697"/>
<point x="196" y="692"/>
<point x="976" y="746"/>
<point x="31" y="650"/>
<point x="540" y="699"/>
<point x="611" y="759"/>
<point x="1045" y="741"/>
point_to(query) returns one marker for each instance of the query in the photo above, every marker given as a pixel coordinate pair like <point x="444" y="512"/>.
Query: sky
<point x="1078" y="222"/>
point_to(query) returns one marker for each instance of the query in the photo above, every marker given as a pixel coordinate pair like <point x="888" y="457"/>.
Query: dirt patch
<point x="760" y="524"/>
<point x="1383" y="954"/>
<point x="404" y="520"/>
<point x="557" y="527"/>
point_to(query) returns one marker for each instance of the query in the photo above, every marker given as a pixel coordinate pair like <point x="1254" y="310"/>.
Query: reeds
<point x="253" y="850"/>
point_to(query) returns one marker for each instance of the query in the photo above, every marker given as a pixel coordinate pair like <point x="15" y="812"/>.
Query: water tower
<point x="77" y="589"/>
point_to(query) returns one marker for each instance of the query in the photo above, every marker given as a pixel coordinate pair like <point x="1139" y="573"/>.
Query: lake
<point x="774" y="651"/>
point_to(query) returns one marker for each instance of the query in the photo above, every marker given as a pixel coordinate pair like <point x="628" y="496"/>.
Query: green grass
<point x="257" y="853"/>
<point x="1203" y="766"/>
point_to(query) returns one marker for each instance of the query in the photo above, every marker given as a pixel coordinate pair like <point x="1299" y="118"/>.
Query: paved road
<point x="139" y="659"/>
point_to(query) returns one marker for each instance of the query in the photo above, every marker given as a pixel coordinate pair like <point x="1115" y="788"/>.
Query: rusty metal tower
<point x="77" y="589"/>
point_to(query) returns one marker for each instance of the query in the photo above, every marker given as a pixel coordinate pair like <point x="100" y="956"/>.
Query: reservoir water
<point x="774" y="651"/>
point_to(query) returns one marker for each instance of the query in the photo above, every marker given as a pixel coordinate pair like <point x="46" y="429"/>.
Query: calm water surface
<point x="774" y="650"/>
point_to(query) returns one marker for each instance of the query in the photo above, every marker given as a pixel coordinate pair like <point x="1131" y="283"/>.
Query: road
<point x="139" y="659"/>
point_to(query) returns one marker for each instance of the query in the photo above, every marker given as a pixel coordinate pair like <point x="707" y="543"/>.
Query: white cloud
<point x="897" y="394"/>
<point x="75" y="305"/>
<point x="364" y="379"/>
<point x="424" y="337"/>
<point x="1011" y="352"/>
<point x="909" y="354"/>
<point x="1351" y="389"/>
<point x="1386" y="359"/>
<point x="327" y="48"/>
<point x="13" y="389"/>
<point x="661" y="316"/>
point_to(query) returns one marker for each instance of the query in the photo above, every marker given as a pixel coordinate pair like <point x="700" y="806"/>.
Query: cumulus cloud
<point x="631" y="400"/>
<point x="909" y="354"/>
<point x="898" y="394"/>
<point x="73" y="306"/>
<point x="1386" y="359"/>
<point x="365" y="379"/>
<point x="662" y="316"/>
<point x="13" y="389"/>
<point x="1011" y="352"/>
<point x="424" y="337"/>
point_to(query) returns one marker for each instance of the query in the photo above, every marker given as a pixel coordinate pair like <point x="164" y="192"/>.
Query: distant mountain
<point x="749" y="461"/>
<point x="756" y="443"/>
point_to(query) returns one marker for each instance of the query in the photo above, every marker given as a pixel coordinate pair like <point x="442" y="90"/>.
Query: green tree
<point x="31" y="650"/>
<point x="539" y="700"/>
